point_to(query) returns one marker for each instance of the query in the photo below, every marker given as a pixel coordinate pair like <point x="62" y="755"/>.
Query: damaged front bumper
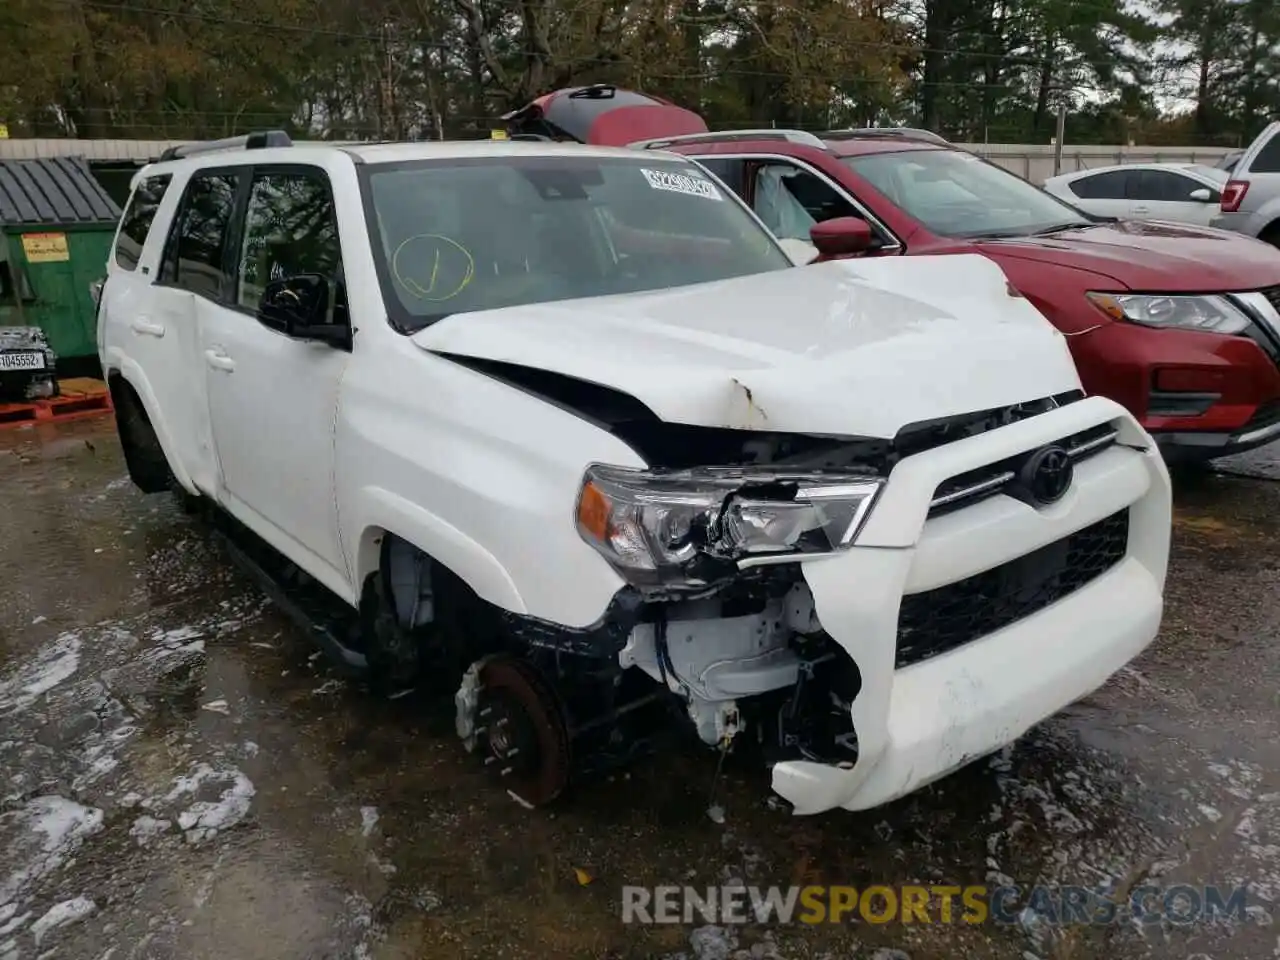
<point x="964" y="626"/>
<point x="916" y="723"/>
<point x="920" y="723"/>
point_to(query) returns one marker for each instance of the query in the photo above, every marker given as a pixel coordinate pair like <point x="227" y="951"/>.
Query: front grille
<point x="968" y="488"/>
<point x="926" y="435"/>
<point x="942" y="619"/>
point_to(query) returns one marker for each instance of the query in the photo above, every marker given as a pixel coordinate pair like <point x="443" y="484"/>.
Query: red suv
<point x="1180" y="324"/>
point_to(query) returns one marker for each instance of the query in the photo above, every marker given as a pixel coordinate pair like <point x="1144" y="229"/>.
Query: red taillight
<point x="1232" y="194"/>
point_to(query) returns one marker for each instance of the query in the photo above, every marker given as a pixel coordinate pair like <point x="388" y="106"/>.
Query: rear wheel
<point x="1271" y="234"/>
<point x="143" y="455"/>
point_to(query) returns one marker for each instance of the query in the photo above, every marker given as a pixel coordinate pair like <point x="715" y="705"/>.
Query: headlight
<point x="1208" y="313"/>
<point x="690" y="528"/>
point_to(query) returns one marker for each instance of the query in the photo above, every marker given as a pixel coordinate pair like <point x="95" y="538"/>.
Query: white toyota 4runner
<point x="561" y="431"/>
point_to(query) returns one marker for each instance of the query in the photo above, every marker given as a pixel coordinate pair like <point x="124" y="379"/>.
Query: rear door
<point x="1104" y="194"/>
<point x="146" y="327"/>
<point x="194" y="271"/>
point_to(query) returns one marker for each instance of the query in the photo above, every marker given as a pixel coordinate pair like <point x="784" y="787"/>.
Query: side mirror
<point x="842" y="237"/>
<point x="1202" y="194"/>
<point x="298" y="306"/>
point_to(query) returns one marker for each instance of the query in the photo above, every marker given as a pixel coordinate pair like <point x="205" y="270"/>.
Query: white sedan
<point x="1185" y="192"/>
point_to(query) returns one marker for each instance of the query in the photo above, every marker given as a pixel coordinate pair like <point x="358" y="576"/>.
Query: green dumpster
<point x="56" y="228"/>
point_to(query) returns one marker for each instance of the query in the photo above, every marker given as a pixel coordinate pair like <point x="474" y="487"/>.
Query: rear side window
<point x="729" y="170"/>
<point x="196" y="252"/>
<point x="137" y="219"/>
<point x="1268" y="158"/>
<point x="1103" y="186"/>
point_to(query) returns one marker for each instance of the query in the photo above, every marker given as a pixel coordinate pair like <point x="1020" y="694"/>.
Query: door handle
<point x="145" y="327"/>
<point x="219" y="360"/>
<point x="1140" y="208"/>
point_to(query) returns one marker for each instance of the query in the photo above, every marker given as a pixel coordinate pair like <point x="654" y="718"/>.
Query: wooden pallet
<point x="80" y="397"/>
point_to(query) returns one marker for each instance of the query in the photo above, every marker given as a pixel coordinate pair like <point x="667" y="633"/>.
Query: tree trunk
<point x="1041" y="116"/>
<point x="936" y="19"/>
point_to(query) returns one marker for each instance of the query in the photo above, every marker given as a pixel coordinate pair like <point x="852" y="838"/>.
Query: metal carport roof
<point x="53" y="191"/>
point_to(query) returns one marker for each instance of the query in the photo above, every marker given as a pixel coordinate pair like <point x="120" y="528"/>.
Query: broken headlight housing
<point x="691" y="528"/>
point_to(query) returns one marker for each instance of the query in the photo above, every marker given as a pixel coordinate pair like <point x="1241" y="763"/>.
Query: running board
<point x="348" y="661"/>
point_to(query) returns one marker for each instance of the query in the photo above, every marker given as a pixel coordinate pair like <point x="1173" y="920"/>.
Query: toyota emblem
<point x="1047" y="474"/>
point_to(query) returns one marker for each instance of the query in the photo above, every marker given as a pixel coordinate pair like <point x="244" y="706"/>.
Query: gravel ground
<point x="181" y="776"/>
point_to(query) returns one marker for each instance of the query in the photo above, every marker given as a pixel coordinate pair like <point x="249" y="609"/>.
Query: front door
<point x="1165" y="195"/>
<point x="272" y="398"/>
<point x="789" y="198"/>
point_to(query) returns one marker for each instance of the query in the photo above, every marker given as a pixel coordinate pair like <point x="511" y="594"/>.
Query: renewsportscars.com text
<point x="975" y="904"/>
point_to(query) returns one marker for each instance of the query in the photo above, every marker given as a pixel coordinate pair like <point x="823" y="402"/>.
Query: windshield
<point x="482" y="233"/>
<point x="956" y="194"/>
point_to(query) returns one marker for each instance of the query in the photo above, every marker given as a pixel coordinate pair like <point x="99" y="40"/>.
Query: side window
<point x="195" y="254"/>
<point x="731" y="171"/>
<point x="1160" y="185"/>
<point x="290" y="229"/>
<point x="790" y="200"/>
<point x="1102" y="186"/>
<point x="137" y="219"/>
<point x="1268" y="158"/>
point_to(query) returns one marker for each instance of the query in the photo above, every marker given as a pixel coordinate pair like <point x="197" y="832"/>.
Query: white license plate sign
<point x="32" y="360"/>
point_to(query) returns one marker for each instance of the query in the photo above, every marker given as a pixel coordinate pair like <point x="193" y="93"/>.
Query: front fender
<point x="380" y="509"/>
<point x="114" y="360"/>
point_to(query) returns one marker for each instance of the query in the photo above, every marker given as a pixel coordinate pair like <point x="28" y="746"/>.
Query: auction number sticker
<point x="682" y="183"/>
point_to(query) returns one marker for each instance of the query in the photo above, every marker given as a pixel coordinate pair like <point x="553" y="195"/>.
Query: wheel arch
<point x="127" y="383"/>
<point x="1271" y="232"/>
<point x="384" y="513"/>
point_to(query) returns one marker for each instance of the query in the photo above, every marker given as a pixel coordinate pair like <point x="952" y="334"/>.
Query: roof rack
<point x="259" y="140"/>
<point x="900" y="133"/>
<point x="791" y="136"/>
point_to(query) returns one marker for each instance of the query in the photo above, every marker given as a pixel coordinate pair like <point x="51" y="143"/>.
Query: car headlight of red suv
<point x="1210" y="313"/>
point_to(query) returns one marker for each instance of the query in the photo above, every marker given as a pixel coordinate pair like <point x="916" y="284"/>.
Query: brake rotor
<point x="522" y="731"/>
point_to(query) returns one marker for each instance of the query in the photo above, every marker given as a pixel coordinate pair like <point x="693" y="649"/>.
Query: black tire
<point x="143" y="455"/>
<point x="1271" y="235"/>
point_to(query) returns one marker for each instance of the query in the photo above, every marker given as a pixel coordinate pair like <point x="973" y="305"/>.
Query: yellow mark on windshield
<point x="416" y="289"/>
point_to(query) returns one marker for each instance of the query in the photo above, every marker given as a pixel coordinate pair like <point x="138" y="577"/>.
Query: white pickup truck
<point x="562" y="428"/>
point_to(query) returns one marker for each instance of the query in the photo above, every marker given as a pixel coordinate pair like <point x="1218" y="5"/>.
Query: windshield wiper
<point x="993" y="235"/>
<point x="1063" y="227"/>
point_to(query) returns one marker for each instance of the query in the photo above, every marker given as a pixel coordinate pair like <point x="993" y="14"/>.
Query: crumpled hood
<point x="1153" y="257"/>
<point x="848" y="348"/>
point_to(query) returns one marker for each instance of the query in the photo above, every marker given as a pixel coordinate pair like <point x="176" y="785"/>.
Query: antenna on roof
<point x="259" y="140"/>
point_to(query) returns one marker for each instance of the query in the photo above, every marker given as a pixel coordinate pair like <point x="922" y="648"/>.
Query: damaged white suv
<point x="559" y="430"/>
